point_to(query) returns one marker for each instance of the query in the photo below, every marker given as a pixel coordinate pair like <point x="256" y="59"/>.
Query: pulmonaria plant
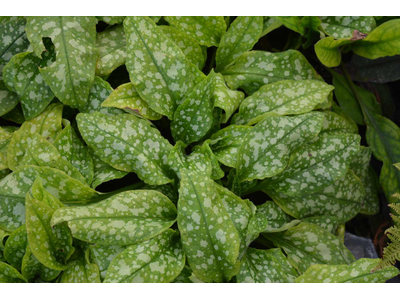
<point x="204" y="120"/>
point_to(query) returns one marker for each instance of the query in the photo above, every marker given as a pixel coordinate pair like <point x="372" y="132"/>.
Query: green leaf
<point x="81" y="270"/>
<point x="335" y="124"/>
<point x="5" y="138"/>
<point x="185" y="276"/>
<point x="73" y="37"/>
<point x="361" y="271"/>
<point x="127" y="143"/>
<point x="277" y="219"/>
<point x="47" y="124"/>
<point x="209" y="237"/>
<point x="270" y="24"/>
<point x="382" y="41"/>
<point x="343" y="27"/>
<point x="293" y="23"/>
<point x="370" y="204"/>
<point x="225" y="143"/>
<point x="281" y="98"/>
<point x="316" y="166"/>
<point x="123" y="219"/>
<point x="14" y="41"/>
<point x="328" y="51"/>
<point x="188" y="45"/>
<point x="40" y="193"/>
<point x="342" y="199"/>
<point x="329" y="223"/>
<point x="256" y="68"/>
<point x="159" y="260"/>
<point x="127" y="98"/>
<point x="266" y="149"/>
<point x="112" y="46"/>
<point x="241" y="36"/>
<point x="112" y="20"/>
<point x="206" y="30"/>
<point x="216" y="171"/>
<point x="51" y="245"/>
<point x="308" y="244"/>
<point x="265" y="266"/>
<point x="15" y="247"/>
<point x="169" y="74"/>
<point x="22" y="76"/>
<point x="103" y="255"/>
<point x="31" y="268"/>
<point x="72" y="150"/>
<point x="9" y="275"/>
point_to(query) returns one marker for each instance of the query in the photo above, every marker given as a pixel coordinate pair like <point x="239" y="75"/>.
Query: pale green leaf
<point x="265" y="266"/>
<point x="335" y="124"/>
<point x="5" y="138"/>
<point x="71" y="75"/>
<point x="123" y="219"/>
<point x="216" y="171"/>
<point x="277" y="219"/>
<point x="103" y="255"/>
<point x="22" y="76"/>
<point x="112" y="47"/>
<point x="188" y="45"/>
<point x="15" y="247"/>
<point x="81" y="270"/>
<point x="159" y="260"/>
<point x="47" y="124"/>
<point x="127" y="98"/>
<point x="210" y="239"/>
<point x="256" y="68"/>
<point x="361" y="271"/>
<point x="184" y="276"/>
<point x="241" y="36"/>
<point x="31" y="268"/>
<point x="342" y="198"/>
<point x="280" y="98"/>
<point x="270" y="24"/>
<point x="159" y="70"/>
<point x="127" y="143"/>
<point x="51" y="245"/>
<point x="343" y="27"/>
<point x="328" y="51"/>
<point x="329" y="223"/>
<point x="40" y="193"/>
<point x="308" y="244"/>
<point x="206" y="30"/>
<point x="9" y="275"/>
<point x="266" y="149"/>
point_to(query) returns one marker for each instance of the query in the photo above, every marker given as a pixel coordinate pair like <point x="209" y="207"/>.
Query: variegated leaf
<point x="329" y="223"/>
<point x="123" y="219"/>
<point x="103" y="255"/>
<point x="69" y="79"/>
<point x="15" y="247"/>
<point x="129" y="144"/>
<point x="5" y="138"/>
<point x="159" y="260"/>
<point x="204" y="149"/>
<point x="335" y="124"/>
<point x="9" y="275"/>
<point x="276" y="217"/>
<point x="81" y="270"/>
<point x="343" y="27"/>
<point x="281" y="98"/>
<point x="112" y="20"/>
<point x="267" y="147"/>
<point x="31" y="268"/>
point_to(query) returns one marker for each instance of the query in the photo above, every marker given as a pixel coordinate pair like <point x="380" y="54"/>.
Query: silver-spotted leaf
<point x="15" y="247"/>
<point x="335" y="124"/>
<point x="127" y="143"/>
<point x="276" y="217"/>
<point x="329" y="223"/>
<point x="10" y="275"/>
<point x="343" y="27"/>
<point x="81" y="270"/>
<point x="110" y="20"/>
<point x="31" y="268"/>
<point x="123" y="219"/>
<point x="159" y="260"/>
<point x="103" y="255"/>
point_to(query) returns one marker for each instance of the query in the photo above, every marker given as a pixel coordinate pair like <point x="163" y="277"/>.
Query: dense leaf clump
<point x="189" y="149"/>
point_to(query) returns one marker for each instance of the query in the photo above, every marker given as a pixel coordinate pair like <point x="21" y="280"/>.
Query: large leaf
<point x="123" y="219"/>
<point x="308" y="244"/>
<point x="158" y="260"/>
<point x="382" y="41"/>
<point x="209" y="237"/>
<point x="127" y="143"/>
<point x="316" y="166"/>
<point x="256" y="68"/>
<point x="22" y="76"/>
<point x="73" y="37"/>
<point x="47" y="124"/>
<point x="343" y="199"/>
<point x="51" y="245"/>
<point x="9" y="275"/>
<point x="343" y="27"/>
<point x="361" y="271"/>
<point x="158" y="68"/>
<point x="241" y="36"/>
<point x="14" y="41"/>
<point x="112" y="47"/>
<point x="127" y="98"/>
<point x="266" y="266"/>
<point x="267" y="147"/>
<point x="15" y="247"/>
<point x="206" y="30"/>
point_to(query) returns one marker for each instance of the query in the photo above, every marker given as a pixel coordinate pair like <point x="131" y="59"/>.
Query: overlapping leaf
<point x="31" y="268"/>
<point x="9" y="275"/>
<point x="15" y="247"/>
<point x="343" y="27"/>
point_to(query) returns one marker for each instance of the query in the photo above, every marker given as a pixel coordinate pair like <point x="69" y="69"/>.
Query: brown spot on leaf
<point x="134" y="110"/>
<point x="357" y="35"/>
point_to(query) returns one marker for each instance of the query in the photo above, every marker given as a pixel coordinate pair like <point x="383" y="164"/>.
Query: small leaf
<point x="254" y="69"/>
<point x="159" y="260"/>
<point x="343" y="27"/>
<point x="81" y="270"/>
<point x="209" y="237"/>
<point x="126" y="218"/>
<point x="266" y="266"/>
<point x="241" y="36"/>
<point x="328" y="51"/>
<point x="127" y="98"/>
<point x="31" y="268"/>
<point x="282" y="98"/>
<point x="128" y="144"/>
<point x="206" y="30"/>
<point x="266" y="149"/>
<point x="9" y="275"/>
<point x="308" y="244"/>
<point x="15" y="247"/>
<point x="360" y="271"/>
<point x="103" y="255"/>
<point x="277" y="219"/>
